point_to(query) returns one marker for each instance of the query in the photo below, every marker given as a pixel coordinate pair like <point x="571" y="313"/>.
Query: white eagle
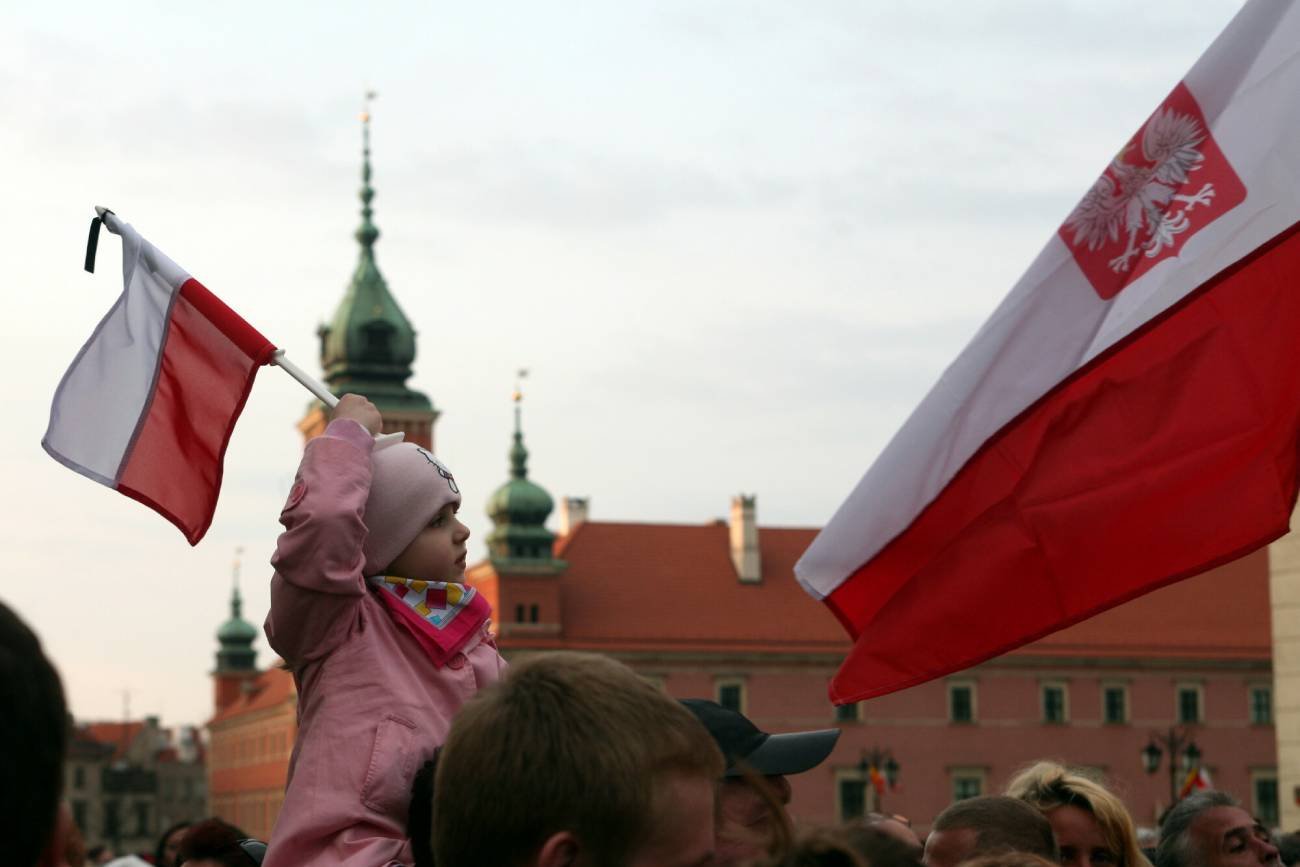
<point x="1141" y="199"/>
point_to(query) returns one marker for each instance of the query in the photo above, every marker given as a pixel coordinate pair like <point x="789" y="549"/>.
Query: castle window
<point x="730" y="693"/>
<point x="1261" y="705"/>
<point x="1054" y="703"/>
<point x="534" y="614"/>
<point x="961" y="701"/>
<point x="1114" y="704"/>
<point x="519" y="614"/>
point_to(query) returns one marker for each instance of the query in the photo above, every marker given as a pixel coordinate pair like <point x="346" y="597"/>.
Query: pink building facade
<point x="942" y="758"/>
<point x="714" y="611"/>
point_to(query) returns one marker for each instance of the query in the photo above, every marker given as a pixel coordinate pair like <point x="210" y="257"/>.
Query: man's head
<point x="33" y="739"/>
<point x="987" y="825"/>
<point x="1210" y="829"/>
<point x="572" y="759"/>
<point x="755" y="790"/>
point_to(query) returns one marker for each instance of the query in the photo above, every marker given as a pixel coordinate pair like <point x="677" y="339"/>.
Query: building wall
<point x="1284" y="590"/>
<point x="1008" y="730"/>
<point x="248" y="763"/>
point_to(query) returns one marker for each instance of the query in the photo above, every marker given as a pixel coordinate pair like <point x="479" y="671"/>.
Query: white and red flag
<point x="150" y="401"/>
<point x="1127" y="417"/>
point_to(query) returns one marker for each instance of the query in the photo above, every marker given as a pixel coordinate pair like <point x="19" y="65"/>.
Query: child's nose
<point x="462" y="532"/>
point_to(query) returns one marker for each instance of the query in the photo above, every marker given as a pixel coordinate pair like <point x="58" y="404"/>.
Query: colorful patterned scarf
<point x="441" y="616"/>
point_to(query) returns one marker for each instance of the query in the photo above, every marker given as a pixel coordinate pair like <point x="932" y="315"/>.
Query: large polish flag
<point x="150" y="401"/>
<point x="1128" y="416"/>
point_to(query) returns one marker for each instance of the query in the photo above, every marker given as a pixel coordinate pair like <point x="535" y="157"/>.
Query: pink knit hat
<point x="408" y="487"/>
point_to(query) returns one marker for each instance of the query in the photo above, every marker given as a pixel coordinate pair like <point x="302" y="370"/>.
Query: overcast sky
<point x="734" y="242"/>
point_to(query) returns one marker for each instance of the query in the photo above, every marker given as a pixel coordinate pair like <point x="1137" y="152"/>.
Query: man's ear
<point x="561" y="849"/>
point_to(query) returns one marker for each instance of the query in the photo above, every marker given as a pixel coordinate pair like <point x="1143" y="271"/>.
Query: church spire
<point x="519" y="454"/>
<point x="236" y="635"/>
<point x="519" y="510"/>
<point x="369" y="345"/>
<point x="367" y="233"/>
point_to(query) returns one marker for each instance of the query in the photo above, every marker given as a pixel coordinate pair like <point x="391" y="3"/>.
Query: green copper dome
<point x="369" y="345"/>
<point x="519" y="510"/>
<point x="236" y="637"/>
<point x="237" y="631"/>
<point x="520" y="501"/>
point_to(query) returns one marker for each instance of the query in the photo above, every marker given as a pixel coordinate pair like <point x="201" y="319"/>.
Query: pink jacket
<point x="371" y="705"/>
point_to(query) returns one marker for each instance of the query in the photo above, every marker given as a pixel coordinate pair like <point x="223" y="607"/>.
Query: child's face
<point x="438" y="553"/>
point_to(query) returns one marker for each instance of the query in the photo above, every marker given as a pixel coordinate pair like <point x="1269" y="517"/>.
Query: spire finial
<point x="236" y="601"/>
<point x="519" y="454"/>
<point x="367" y="233"/>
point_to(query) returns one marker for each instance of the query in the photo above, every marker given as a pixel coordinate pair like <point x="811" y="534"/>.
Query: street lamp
<point x="1177" y="743"/>
<point x="883" y="762"/>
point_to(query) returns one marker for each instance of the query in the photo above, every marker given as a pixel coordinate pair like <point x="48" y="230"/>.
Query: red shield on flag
<point x="1170" y="181"/>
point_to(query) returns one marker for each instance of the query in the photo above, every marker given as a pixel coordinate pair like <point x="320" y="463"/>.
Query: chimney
<point x="744" y="539"/>
<point x="573" y="512"/>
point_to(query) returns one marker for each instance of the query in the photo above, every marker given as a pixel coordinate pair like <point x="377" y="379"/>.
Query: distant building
<point x="126" y="782"/>
<point x="252" y="730"/>
<point x="713" y="610"/>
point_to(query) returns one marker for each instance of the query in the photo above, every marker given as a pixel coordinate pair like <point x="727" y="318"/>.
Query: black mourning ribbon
<point x="92" y="242"/>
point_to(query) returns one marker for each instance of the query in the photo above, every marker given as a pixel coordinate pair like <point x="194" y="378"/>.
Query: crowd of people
<point x="573" y="759"/>
<point x="418" y="746"/>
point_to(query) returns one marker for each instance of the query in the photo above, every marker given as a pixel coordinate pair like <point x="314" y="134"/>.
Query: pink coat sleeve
<point x="318" y="558"/>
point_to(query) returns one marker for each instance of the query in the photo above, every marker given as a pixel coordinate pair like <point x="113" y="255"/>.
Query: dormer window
<point x="377" y="341"/>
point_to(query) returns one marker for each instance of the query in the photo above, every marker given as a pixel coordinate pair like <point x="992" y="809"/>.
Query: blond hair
<point x="565" y="742"/>
<point x="1048" y="785"/>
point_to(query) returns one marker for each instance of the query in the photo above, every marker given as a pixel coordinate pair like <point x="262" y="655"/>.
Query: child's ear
<point x="561" y="849"/>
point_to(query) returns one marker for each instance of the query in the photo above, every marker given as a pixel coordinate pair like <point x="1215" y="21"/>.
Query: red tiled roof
<point x="672" y="587"/>
<point x="118" y="735"/>
<point x="271" y="687"/>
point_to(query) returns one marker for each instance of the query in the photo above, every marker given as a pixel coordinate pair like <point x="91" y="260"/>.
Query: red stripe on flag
<point x="230" y="323"/>
<point x="1171" y="453"/>
<point x="209" y="359"/>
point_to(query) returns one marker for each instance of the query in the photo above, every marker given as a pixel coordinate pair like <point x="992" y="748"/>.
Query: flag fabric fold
<point x="1128" y="416"/>
<point x="149" y="403"/>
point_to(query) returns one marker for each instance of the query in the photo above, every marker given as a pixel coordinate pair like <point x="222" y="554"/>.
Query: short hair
<point x="1001" y="824"/>
<point x="1048" y="785"/>
<point x="419" y="815"/>
<point x="1175" y="847"/>
<point x="216" y="840"/>
<point x="1010" y="859"/>
<point x="34" y="739"/>
<point x="850" y="845"/>
<point x="160" y="851"/>
<point x="576" y="742"/>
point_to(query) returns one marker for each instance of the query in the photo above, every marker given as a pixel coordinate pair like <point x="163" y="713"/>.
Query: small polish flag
<point x="150" y="401"/>
<point x="1128" y="416"/>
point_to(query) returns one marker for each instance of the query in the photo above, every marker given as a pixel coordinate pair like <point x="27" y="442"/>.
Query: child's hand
<point x="360" y="410"/>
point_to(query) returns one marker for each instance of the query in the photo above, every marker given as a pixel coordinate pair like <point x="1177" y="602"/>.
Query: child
<point x="383" y="643"/>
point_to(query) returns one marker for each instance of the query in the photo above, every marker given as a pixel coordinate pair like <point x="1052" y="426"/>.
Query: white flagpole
<point x="315" y="386"/>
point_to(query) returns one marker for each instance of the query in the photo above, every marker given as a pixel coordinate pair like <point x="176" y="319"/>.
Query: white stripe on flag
<point x="112" y="376"/>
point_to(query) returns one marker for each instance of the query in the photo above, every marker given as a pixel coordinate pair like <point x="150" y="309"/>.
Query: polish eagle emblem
<point x="1142" y="201"/>
<point x="1168" y="182"/>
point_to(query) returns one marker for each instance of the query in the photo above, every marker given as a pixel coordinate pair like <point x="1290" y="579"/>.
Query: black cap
<point x="770" y="755"/>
